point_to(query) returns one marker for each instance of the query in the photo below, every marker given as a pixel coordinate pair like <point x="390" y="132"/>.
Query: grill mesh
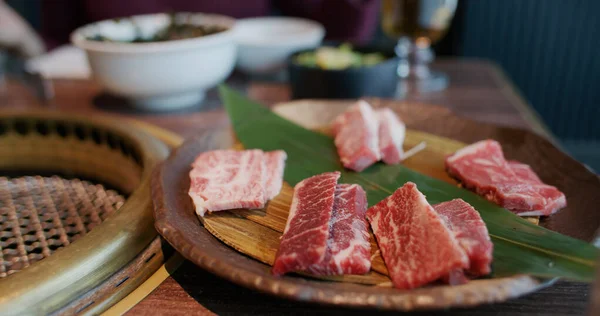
<point x="39" y="215"/>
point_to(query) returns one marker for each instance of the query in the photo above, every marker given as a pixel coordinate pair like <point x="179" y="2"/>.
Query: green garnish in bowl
<point x="338" y="58"/>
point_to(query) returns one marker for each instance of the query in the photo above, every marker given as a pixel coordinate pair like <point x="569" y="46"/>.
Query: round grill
<point x="57" y="174"/>
<point x="39" y="215"/>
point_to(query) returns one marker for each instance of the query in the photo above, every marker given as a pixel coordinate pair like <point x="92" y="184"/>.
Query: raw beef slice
<point x="228" y="179"/>
<point x="391" y="136"/>
<point x="356" y="136"/>
<point x="524" y="172"/>
<point x="415" y="244"/>
<point x="274" y="165"/>
<point x="348" y="247"/>
<point x="527" y="199"/>
<point x="481" y="167"/>
<point x="470" y="232"/>
<point x="304" y="240"/>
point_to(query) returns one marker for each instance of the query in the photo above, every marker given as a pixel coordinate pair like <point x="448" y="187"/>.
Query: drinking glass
<point x="416" y="25"/>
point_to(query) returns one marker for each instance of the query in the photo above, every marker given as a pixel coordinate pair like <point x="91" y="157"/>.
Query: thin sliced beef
<point x="231" y="179"/>
<point x="304" y="240"/>
<point x="527" y="199"/>
<point x="416" y="245"/>
<point x="481" y="167"/>
<point x="524" y="172"/>
<point x="228" y="179"/>
<point x="356" y="136"/>
<point x="348" y="247"/>
<point x="391" y="136"/>
<point x="472" y="235"/>
<point x="275" y="165"/>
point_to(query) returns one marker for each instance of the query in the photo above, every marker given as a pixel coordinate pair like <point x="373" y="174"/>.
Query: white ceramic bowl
<point x="265" y="43"/>
<point x="158" y="75"/>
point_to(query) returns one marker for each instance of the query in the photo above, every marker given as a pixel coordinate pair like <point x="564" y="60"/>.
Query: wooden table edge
<point x="151" y="284"/>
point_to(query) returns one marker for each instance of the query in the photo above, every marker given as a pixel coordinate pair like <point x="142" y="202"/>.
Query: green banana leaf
<point x="519" y="246"/>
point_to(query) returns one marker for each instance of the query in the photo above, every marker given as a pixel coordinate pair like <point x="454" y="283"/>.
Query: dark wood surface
<point x="478" y="90"/>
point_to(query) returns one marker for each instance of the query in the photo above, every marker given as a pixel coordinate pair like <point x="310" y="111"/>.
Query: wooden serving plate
<point x="178" y="224"/>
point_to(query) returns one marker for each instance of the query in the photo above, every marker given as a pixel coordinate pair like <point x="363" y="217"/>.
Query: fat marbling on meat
<point x="304" y="240"/>
<point x="348" y="246"/>
<point x="481" y="167"/>
<point x="392" y="132"/>
<point x="228" y="179"/>
<point x="274" y="165"/>
<point x="356" y="136"/>
<point x="416" y="245"/>
<point x="472" y="235"/>
<point x="231" y="179"/>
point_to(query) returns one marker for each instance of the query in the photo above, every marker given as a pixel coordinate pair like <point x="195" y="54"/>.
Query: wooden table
<point x="478" y="90"/>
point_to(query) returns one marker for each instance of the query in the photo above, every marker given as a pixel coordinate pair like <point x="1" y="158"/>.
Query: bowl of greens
<point x="340" y="72"/>
<point x="160" y="61"/>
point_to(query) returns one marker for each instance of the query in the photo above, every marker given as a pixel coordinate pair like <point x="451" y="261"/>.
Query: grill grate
<point x="39" y="215"/>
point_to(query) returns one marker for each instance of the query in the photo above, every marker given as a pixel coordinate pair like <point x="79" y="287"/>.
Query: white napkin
<point x="64" y="62"/>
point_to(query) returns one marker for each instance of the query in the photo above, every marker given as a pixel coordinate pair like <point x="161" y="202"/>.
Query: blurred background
<point x="548" y="48"/>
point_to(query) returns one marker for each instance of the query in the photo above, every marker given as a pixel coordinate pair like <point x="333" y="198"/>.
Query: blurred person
<point x="344" y="20"/>
<point x="16" y="35"/>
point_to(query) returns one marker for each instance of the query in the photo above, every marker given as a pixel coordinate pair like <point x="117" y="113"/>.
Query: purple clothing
<point x="344" y="20"/>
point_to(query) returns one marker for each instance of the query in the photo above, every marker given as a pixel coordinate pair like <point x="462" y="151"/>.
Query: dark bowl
<point x="379" y="80"/>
